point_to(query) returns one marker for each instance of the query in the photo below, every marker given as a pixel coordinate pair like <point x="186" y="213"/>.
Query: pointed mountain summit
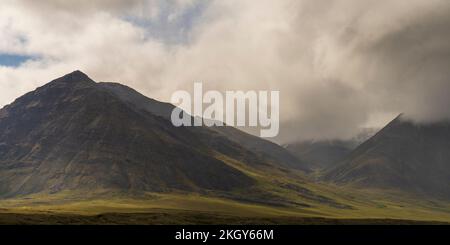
<point x="73" y="134"/>
<point x="404" y="156"/>
<point x="76" y="76"/>
<point x="76" y="134"/>
<point x="73" y="78"/>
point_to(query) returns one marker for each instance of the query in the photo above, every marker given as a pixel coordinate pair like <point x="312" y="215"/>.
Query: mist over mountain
<point x="102" y="149"/>
<point x="324" y="154"/>
<point x="404" y="156"/>
<point x="321" y="155"/>
<point x="335" y="63"/>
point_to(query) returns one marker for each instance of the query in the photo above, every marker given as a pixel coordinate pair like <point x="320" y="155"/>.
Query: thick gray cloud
<point x="339" y="65"/>
<point x="410" y="66"/>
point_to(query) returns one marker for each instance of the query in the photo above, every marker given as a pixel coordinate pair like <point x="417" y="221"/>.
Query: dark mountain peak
<point x="404" y="155"/>
<point x="68" y="83"/>
<point x="74" y="78"/>
<point x="404" y="120"/>
<point x="74" y="134"/>
<point x="57" y="90"/>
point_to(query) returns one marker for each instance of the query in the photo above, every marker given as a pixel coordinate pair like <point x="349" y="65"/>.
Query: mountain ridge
<point x="266" y="149"/>
<point x="71" y="134"/>
<point x="74" y="133"/>
<point x="403" y="155"/>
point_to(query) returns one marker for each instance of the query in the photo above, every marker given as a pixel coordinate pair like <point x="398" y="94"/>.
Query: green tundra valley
<point x="75" y="151"/>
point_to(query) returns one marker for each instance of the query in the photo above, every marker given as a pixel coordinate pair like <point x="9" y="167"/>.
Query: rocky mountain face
<point x="76" y="134"/>
<point x="404" y="156"/>
<point x="222" y="139"/>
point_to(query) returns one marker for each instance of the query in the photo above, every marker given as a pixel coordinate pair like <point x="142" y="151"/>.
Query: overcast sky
<point x="340" y="65"/>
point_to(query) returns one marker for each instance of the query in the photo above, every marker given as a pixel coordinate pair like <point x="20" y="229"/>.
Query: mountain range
<point x="79" y="146"/>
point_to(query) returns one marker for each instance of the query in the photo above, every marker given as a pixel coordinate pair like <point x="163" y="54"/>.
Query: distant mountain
<point x="404" y="156"/>
<point x="76" y="134"/>
<point x="321" y="155"/>
<point x="324" y="154"/>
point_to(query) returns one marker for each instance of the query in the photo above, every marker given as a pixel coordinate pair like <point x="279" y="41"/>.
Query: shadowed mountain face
<point x="226" y="140"/>
<point x="74" y="134"/>
<point x="404" y="156"/>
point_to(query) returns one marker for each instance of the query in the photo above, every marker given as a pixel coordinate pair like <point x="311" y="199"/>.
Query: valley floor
<point x="170" y="217"/>
<point x="159" y="209"/>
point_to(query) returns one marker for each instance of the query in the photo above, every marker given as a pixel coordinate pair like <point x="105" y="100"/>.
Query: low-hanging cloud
<point x="336" y="63"/>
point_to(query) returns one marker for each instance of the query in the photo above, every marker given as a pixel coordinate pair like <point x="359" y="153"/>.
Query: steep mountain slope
<point x="403" y="156"/>
<point x="74" y="134"/>
<point x="222" y="139"/>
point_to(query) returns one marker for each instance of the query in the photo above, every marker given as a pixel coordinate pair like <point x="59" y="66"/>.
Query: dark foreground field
<point x="186" y="218"/>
